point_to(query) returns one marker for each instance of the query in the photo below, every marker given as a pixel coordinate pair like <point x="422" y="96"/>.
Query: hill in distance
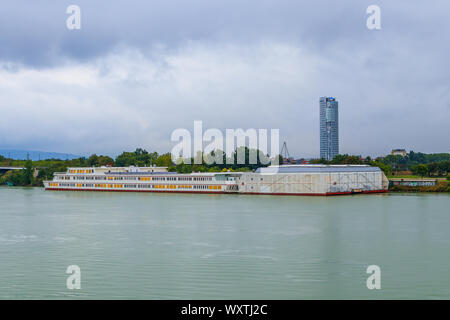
<point x="36" y="155"/>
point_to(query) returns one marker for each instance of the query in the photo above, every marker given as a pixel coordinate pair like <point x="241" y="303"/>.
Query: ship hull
<point x="223" y="192"/>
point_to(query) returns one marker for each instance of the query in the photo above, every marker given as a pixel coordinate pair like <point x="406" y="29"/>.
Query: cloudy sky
<point x="137" y="70"/>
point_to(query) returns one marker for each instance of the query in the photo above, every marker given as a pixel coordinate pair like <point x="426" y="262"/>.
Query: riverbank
<point x="440" y="186"/>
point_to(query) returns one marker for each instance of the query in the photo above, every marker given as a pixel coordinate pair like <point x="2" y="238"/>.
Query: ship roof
<point x="321" y="168"/>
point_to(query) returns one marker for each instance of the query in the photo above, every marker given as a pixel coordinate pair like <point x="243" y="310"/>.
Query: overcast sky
<point x="137" y="70"/>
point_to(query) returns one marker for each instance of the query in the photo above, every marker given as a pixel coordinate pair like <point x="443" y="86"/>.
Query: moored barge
<point x="276" y="180"/>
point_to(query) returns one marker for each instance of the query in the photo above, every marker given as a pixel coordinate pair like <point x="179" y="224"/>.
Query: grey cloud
<point x="34" y="32"/>
<point x="150" y="67"/>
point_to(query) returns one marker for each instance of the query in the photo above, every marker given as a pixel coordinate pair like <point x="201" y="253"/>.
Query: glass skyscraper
<point x="329" y="128"/>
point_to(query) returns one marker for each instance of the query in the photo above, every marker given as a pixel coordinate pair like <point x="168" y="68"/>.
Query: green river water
<point x="186" y="246"/>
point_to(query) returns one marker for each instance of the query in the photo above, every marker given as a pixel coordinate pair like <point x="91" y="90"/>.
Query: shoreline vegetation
<point x="417" y="166"/>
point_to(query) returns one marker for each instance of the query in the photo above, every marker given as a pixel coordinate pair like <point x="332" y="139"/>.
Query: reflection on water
<point x="175" y="246"/>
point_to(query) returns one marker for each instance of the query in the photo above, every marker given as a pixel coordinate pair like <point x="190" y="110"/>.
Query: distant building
<point x="329" y="128"/>
<point x="398" y="152"/>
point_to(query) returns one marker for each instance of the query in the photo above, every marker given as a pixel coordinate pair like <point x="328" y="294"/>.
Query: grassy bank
<point x="400" y="177"/>
<point x="441" y="186"/>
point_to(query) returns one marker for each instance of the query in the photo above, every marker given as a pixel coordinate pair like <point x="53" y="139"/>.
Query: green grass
<point x="414" y="177"/>
<point x="407" y="177"/>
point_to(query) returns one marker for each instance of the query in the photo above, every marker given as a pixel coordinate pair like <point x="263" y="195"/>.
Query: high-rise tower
<point x="329" y="128"/>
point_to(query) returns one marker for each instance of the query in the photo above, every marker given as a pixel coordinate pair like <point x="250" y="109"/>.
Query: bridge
<point x="35" y="170"/>
<point x="4" y="169"/>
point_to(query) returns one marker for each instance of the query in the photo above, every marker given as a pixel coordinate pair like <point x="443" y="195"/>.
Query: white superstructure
<point x="146" y="179"/>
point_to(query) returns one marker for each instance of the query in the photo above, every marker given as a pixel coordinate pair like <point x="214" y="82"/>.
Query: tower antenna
<point x="284" y="151"/>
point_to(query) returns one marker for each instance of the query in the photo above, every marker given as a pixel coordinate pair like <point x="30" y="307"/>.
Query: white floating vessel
<point x="276" y="180"/>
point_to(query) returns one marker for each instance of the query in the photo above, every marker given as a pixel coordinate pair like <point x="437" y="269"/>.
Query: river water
<point x="176" y="246"/>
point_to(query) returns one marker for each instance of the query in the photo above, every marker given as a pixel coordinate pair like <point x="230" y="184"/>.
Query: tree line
<point x="422" y="164"/>
<point x="242" y="159"/>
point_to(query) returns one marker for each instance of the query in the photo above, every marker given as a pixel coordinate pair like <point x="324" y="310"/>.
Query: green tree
<point x="387" y="169"/>
<point x="28" y="173"/>
<point x="139" y="157"/>
<point x="339" y="159"/>
<point x="105" y="161"/>
<point x="92" y="161"/>
<point x="245" y="157"/>
<point x="319" y="161"/>
<point x="164" y="160"/>
<point x="420" y="169"/>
